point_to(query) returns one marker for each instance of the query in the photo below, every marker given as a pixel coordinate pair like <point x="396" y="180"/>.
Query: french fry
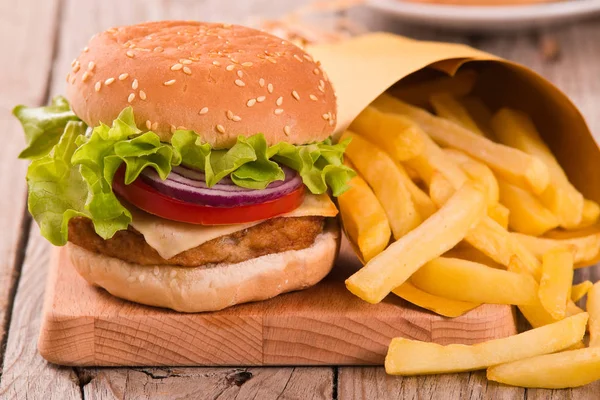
<point x="458" y="279"/>
<point x="364" y="219"/>
<point x="555" y="284"/>
<point x="585" y="248"/>
<point x="411" y="357"/>
<point x="439" y="305"/>
<point x="499" y="213"/>
<point x="512" y="164"/>
<point x="593" y="308"/>
<point x="478" y="172"/>
<point x="515" y="128"/>
<point x="465" y="251"/>
<point x="420" y="199"/>
<point x="480" y="113"/>
<point x="394" y="133"/>
<point x="436" y="235"/>
<point x="387" y="182"/>
<point x="527" y="214"/>
<point x="566" y="369"/>
<point x="498" y="244"/>
<point x="419" y="93"/>
<point x="580" y="290"/>
<point x="434" y="159"/>
<point x="440" y="189"/>
<point x="447" y="106"/>
<point x="591" y="212"/>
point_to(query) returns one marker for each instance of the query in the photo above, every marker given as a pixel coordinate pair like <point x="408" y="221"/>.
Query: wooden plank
<point x="209" y="383"/>
<point x="323" y="325"/>
<point x="26" y="374"/>
<point x="27" y="43"/>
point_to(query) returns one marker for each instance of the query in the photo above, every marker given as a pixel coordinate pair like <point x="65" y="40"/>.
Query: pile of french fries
<point x="455" y="206"/>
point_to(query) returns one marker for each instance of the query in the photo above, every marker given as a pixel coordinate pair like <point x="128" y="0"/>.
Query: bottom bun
<point x="214" y="287"/>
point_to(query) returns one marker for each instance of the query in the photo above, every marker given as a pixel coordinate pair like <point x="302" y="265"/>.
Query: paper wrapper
<point x="364" y="67"/>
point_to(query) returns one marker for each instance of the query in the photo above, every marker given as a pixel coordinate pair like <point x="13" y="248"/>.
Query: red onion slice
<point x="181" y="185"/>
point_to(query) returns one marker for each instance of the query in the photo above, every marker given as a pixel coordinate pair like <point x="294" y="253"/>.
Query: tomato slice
<point x="148" y="199"/>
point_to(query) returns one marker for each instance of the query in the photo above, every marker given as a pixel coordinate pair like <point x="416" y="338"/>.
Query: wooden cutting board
<point x="324" y="325"/>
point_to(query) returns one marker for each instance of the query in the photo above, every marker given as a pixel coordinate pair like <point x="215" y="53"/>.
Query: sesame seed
<point x="74" y="62"/>
<point x="98" y="86"/>
<point x="297" y="57"/>
<point x="216" y="63"/>
<point x="86" y="49"/>
<point x="176" y="67"/>
<point x="91" y="65"/>
<point x="85" y="76"/>
<point x="230" y="67"/>
<point x="261" y="82"/>
<point x="130" y="54"/>
<point x="331" y="122"/>
<point x="156" y="270"/>
<point x="239" y="82"/>
<point x="325" y="116"/>
<point x="322" y="89"/>
<point x="134" y="84"/>
<point x="236" y="118"/>
<point x="313" y="97"/>
<point x="169" y="83"/>
<point x="260" y="99"/>
<point x="68" y="76"/>
<point x="76" y="67"/>
<point x="321" y="83"/>
<point x="229" y="114"/>
<point x="279" y="100"/>
<point x="181" y="128"/>
<point x="278" y="111"/>
<point x="158" y="49"/>
<point x="272" y="60"/>
<point x="131" y="97"/>
<point x="247" y="64"/>
<point x="286" y="130"/>
<point x="240" y="73"/>
<point x="142" y="278"/>
<point x="295" y="95"/>
<point x="122" y="77"/>
<point x="173" y="129"/>
<point x="142" y="95"/>
<point x="307" y="57"/>
<point x="234" y="60"/>
<point x="187" y="70"/>
<point x="72" y="80"/>
<point x="186" y="62"/>
<point x="203" y="111"/>
<point x="270" y="88"/>
<point x="155" y="126"/>
<point x="226" y="26"/>
<point x="220" y="128"/>
<point x="148" y="124"/>
<point x="173" y="273"/>
<point x="316" y="71"/>
<point x="109" y="81"/>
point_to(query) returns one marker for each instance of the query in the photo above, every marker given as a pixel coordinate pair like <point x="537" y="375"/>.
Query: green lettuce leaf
<point x="43" y="126"/>
<point x="75" y="178"/>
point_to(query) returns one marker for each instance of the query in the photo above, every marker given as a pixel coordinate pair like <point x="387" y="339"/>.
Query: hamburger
<point x="190" y="167"/>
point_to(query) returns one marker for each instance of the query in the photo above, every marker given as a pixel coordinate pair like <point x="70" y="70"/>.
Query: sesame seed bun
<point x="218" y="80"/>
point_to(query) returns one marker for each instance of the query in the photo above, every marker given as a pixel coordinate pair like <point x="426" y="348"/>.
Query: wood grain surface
<point x="324" y="325"/>
<point x="27" y="44"/>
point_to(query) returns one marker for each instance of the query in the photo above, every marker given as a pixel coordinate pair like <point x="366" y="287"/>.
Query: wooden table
<point x="38" y="39"/>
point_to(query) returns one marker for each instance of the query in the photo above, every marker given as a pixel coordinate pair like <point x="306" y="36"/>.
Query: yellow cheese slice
<point x="170" y="238"/>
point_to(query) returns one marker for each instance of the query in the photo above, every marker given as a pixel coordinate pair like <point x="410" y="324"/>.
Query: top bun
<point x="218" y="80"/>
